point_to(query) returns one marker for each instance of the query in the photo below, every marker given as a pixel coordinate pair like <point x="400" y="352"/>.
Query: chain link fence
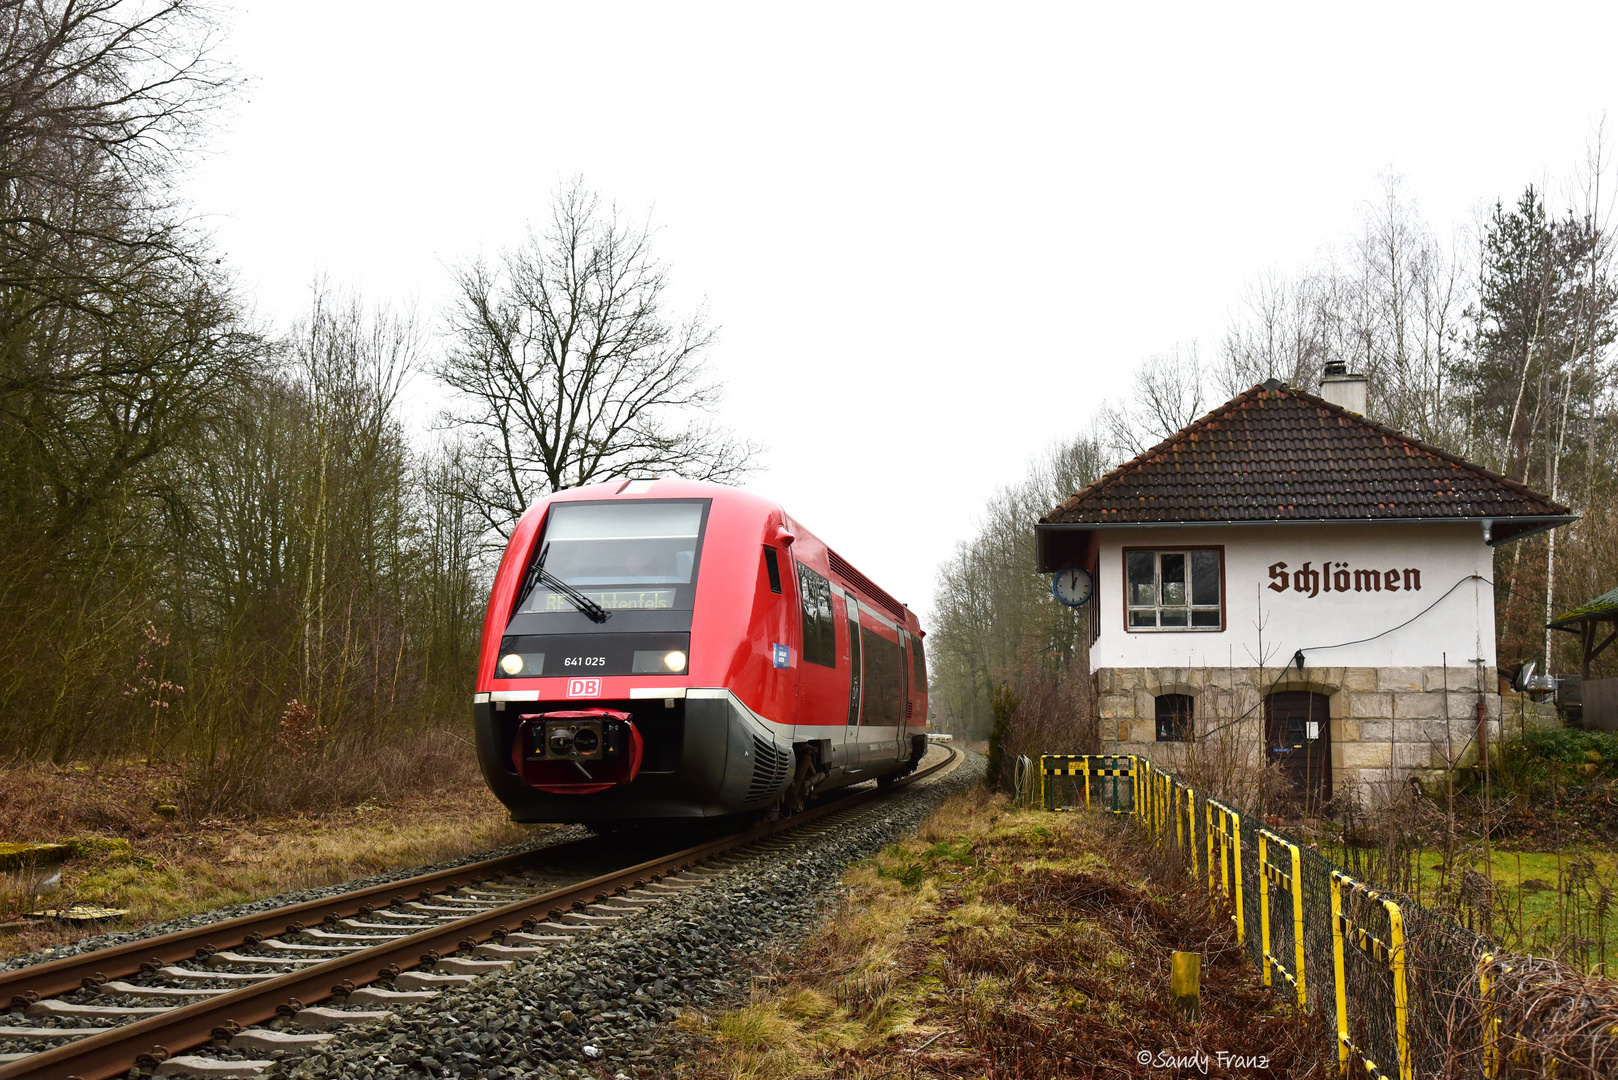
<point x="1410" y="991"/>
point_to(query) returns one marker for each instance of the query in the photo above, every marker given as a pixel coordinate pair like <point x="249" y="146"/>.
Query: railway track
<point x="144" y="1003"/>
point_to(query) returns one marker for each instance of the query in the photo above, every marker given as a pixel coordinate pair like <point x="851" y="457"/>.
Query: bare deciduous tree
<point x="1169" y="392"/>
<point x="1276" y="335"/>
<point x="569" y="370"/>
<point x="994" y="620"/>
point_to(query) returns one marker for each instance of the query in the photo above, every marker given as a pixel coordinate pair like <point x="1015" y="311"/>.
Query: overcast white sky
<point x="935" y="236"/>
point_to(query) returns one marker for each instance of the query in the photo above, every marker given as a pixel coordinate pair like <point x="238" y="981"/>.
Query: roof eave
<point x="1537" y="523"/>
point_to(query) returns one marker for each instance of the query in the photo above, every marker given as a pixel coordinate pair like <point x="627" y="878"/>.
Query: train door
<point x="851" y="740"/>
<point x="880" y="687"/>
<point x="901" y="751"/>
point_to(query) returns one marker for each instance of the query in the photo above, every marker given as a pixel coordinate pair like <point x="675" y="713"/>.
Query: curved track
<point x="367" y="936"/>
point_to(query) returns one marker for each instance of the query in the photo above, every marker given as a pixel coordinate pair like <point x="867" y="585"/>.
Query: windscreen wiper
<point x="592" y="610"/>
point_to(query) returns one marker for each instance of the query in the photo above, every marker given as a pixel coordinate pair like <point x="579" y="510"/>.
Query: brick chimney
<point x="1342" y="389"/>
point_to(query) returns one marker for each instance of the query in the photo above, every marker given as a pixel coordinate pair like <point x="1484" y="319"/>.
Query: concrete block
<point x="1127" y="680"/>
<point x="367" y="995"/>
<point x="1465" y="707"/>
<point x="1375" y="731"/>
<point x="270" y="1040"/>
<point x="428" y="980"/>
<point x="1463" y="677"/>
<point x="1373" y="783"/>
<point x="1466" y="680"/>
<point x="1359" y="680"/>
<point x="52" y="1007"/>
<point x="1413" y="755"/>
<point x="1113" y="706"/>
<point x="1430" y="731"/>
<point x="1418" y="705"/>
<point x="117" y="988"/>
<point x="45" y="1034"/>
<point x="1345" y="731"/>
<point x="455" y="965"/>
<point x="1406" y="679"/>
<point x="1367" y="706"/>
<point x="321" y="1018"/>
<point x="491" y="951"/>
<point x="1366" y="755"/>
<point x="214" y="1068"/>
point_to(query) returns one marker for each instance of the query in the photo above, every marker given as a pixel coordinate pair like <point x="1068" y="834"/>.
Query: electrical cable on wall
<point x="1297" y="657"/>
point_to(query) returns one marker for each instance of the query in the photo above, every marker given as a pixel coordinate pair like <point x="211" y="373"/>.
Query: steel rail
<point x="58" y="977"/>
<point x="111" y="1052"/>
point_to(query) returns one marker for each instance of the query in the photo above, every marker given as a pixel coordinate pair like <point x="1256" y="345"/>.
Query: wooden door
<point x="1298" y="731"/>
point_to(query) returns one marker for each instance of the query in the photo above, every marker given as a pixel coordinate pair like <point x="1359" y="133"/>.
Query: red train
<point x="661" y="649"/>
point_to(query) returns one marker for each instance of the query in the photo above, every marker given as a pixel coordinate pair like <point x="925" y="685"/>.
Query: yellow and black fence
<point x="1400" y="981"/>
<point x="1069" y="781"/>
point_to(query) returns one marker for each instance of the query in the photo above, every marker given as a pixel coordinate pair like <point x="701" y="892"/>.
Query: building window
<point x="1174" y="590"/>
<point x="1174" y="717"/>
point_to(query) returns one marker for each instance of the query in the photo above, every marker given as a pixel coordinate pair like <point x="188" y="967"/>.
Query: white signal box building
<point x="1288" y="581"/>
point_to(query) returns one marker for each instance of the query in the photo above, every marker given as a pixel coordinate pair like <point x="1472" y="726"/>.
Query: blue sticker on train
<point x="783" y="655"/>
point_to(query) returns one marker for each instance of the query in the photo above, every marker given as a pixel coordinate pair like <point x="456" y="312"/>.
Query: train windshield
<point x="623" y="555"/>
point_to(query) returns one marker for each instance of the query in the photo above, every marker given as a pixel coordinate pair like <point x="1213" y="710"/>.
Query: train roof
<point x="676" y="488"/>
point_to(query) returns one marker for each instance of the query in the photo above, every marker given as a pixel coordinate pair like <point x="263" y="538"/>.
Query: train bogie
<point x="672" y="649"/>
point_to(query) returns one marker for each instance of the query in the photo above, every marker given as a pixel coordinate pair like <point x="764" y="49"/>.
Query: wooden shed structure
<point x="1596" y="623"/>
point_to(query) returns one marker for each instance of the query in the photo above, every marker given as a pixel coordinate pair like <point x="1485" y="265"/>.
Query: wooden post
<point x="1185" y="985"/>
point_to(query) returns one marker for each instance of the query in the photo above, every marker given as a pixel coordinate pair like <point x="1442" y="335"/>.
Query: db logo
<point x="584" y="688"/>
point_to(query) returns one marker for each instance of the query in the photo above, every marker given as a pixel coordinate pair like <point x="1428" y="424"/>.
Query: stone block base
<point x="1385" y="724"/>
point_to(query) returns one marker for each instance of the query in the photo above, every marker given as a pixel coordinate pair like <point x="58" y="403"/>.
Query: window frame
<point x="772" y="569"/>
<point x="825" y="648"/>
<point x="685" y="593"/>
<point x="882" y="688"/>
<point x="1158" y="552"/>
<point x="1189" y="732"/>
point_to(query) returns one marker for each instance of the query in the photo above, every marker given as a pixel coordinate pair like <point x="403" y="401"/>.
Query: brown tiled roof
<point x="1275" y="454"/>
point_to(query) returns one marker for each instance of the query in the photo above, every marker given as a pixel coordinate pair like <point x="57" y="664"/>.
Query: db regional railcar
<point x="660" y="649"/>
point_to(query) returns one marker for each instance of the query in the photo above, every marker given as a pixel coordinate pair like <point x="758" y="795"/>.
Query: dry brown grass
<point x="1002" y="943"/>
<point x="189" y="859"/>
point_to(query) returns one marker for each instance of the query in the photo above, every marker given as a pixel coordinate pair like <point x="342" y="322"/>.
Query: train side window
<point x="772" y="567"/>
<point x="819" y="629"/>
<point x="919" y="682"/>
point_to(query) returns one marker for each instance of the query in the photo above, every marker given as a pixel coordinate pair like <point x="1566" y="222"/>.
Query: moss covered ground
<point x="1006" y="943"/>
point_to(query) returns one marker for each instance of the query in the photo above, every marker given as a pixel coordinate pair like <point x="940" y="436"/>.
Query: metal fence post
<point x="1289" y="880"/>
<point x="1348" y="929"/>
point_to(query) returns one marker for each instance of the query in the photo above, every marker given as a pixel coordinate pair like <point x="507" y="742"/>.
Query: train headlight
<point x="511" y="664"/>
<point x="664" y="661"/>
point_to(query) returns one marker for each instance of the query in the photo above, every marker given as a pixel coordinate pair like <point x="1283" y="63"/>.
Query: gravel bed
<point x="595" y="1007"/>
<point x="541" y="839"/>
